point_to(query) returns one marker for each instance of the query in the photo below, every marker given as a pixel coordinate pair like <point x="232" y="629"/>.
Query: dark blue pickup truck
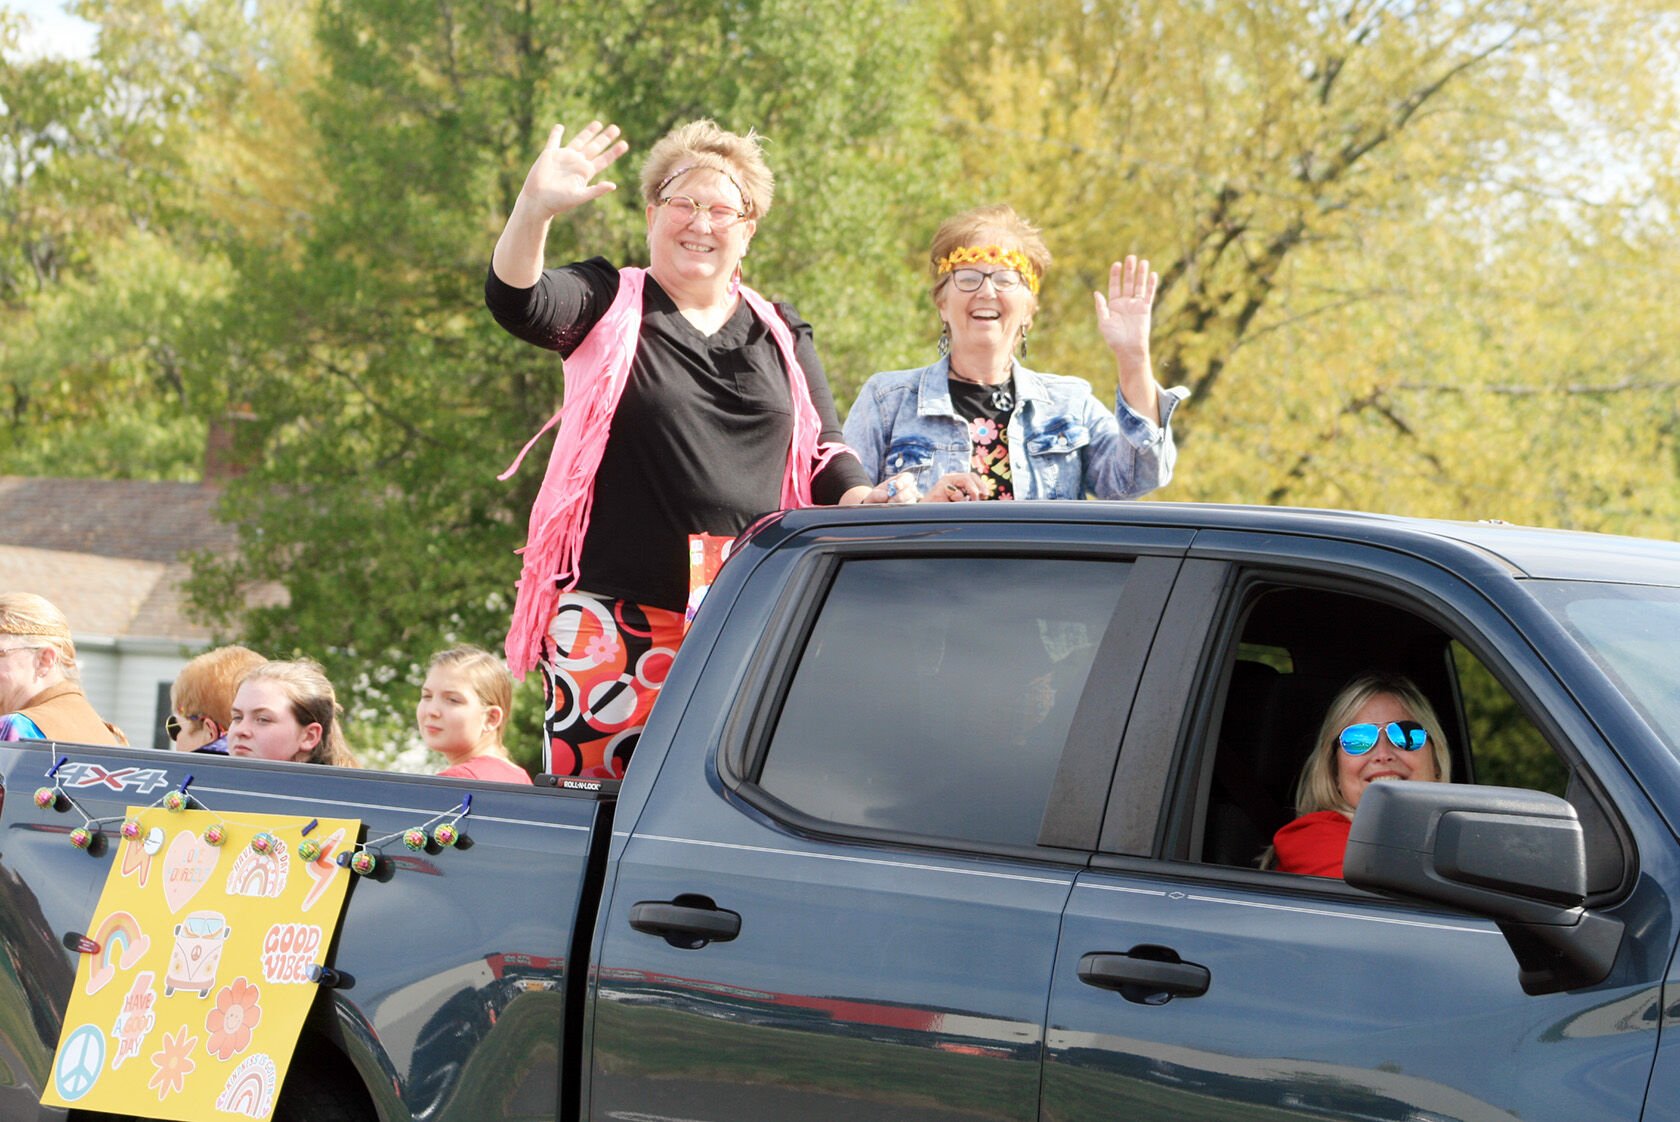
<point x="955" y="814"/>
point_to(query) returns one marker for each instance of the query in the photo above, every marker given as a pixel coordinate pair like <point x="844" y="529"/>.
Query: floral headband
<point x="990" y="255"/>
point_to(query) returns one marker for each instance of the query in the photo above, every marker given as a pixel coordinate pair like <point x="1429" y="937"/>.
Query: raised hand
<point x="560" y="179"/>
<point x="1123" y="318"/>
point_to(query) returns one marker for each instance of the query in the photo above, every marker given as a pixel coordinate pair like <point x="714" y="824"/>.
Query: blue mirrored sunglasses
<point x="1408" y="736"/>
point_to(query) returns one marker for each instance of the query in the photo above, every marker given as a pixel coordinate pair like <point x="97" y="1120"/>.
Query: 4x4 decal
<point x="140" y="780"/>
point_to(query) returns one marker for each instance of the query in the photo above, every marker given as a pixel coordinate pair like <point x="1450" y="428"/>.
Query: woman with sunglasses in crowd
<point x="692" y="405"/>
<point x="201" y="699"/>
<point x="977" y="423"/>
<point x="1379" y="727"/>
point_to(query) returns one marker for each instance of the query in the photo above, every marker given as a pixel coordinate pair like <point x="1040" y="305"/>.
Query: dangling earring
<point x="944" y="339"/>
<point x="1025" y="327"/>
<point x="735" y="281"/>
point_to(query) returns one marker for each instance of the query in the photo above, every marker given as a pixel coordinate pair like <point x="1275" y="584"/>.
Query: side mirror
<point x="1514" y="856"/>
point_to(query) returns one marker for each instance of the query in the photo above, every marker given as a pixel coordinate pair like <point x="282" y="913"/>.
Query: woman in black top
<point x="692" y="406"/>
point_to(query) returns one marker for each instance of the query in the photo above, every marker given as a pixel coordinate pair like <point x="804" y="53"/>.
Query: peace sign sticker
<point x="80" y="1059"/>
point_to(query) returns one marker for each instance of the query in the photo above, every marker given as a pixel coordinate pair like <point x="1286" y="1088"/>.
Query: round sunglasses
<point x="1408" y="736"/>
<point x="172" y="725"/>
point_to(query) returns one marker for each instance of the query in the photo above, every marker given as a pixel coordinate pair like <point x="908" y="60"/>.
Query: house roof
<point x="105" y="595"/>
<point x="130" y="519"/>
<point x="108" y="552"/>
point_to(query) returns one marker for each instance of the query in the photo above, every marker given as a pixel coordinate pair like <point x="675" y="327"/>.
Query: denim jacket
<point x="1062" y="443"/>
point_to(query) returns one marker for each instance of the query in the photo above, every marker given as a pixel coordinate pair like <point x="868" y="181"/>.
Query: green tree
<point x="122" y="178"/>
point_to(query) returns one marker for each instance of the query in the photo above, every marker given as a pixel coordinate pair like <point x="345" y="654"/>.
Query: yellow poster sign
<point x="197" y="968"/>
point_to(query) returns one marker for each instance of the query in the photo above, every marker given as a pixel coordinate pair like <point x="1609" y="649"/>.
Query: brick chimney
<point x="233" y="445"/>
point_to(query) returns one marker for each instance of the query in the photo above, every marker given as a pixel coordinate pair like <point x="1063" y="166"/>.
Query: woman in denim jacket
<point x="977" y="424"/>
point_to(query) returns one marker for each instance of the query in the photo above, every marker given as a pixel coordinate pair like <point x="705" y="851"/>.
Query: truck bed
<point x="453" y="991"/>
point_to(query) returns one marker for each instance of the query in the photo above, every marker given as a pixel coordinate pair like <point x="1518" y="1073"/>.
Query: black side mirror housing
<point x="1514" y="856"/>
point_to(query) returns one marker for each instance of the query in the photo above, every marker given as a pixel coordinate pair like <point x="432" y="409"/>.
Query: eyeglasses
<point x="172" y="724"/>
<point x="683" y="209"/>
<point x="970" y="280"/>
<point x="1408" y="736"/>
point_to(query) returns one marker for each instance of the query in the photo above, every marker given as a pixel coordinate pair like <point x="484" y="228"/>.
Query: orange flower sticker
<point x="173" y="1063"/>
<point x="231" y="1021"/>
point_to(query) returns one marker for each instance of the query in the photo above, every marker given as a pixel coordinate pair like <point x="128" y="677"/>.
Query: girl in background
<point x="288" y="711"/>
<point x="463" y="713"/>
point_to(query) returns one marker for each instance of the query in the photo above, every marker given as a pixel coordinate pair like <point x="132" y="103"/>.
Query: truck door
<point x="841" y="898"/>
<point x="1191" y="983"/>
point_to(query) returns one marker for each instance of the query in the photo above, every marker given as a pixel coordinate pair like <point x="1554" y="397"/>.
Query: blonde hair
<point x="29" y="616"/>
<point x="985" y="225"/>
<point x="702" y="144"/>
<point x="487" y="676"/>
<point x="206" y="685"/>
<point x="1317" y="789"/>
<point x="306" y="686"/>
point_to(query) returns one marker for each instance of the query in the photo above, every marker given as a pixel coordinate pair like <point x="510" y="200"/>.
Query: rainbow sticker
<point x="260" y="874"/>
<point x="121" y="947"/>
<point x="250" y="1089"/>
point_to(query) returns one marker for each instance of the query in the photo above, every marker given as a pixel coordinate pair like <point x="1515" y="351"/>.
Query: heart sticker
<point x="187" y="866"/>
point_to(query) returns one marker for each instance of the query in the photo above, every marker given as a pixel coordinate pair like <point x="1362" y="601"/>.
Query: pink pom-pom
<point x="446" y="835"/>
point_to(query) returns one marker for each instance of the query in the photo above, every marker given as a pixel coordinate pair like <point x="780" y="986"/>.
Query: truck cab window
<point x="1506" y="749"/>
<point x="933" y="697"/>
<point x="1296" y="649"/>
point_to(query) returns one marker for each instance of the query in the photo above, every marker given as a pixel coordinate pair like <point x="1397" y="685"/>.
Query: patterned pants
<point x="603" y="664"/>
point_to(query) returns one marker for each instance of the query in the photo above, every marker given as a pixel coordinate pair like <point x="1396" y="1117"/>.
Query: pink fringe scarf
<point x="595" y="378"/>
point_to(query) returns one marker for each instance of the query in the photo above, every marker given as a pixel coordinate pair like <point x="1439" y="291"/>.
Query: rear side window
<point x="935" y="694"/>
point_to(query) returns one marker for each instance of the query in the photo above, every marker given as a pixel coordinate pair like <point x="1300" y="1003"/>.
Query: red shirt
<point x="489" y="767"/>
<point x="1313" y="844"/>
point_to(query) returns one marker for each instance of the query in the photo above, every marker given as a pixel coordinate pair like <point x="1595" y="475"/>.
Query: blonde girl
<point x="463" y="714"/>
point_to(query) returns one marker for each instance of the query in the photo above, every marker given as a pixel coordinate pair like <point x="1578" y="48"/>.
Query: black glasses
<point x="683" y="209"/>
<point x="970" y="280"/>
<point x="172" y="725"/>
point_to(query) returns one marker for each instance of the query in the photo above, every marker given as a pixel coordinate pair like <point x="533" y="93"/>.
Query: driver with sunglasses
<point x="1379" y="727"/>
<point x="201" y="699"/>
<point x="978" y="423"/>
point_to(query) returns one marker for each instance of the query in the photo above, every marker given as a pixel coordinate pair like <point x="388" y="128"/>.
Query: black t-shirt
<point x="987" y="410"/>
<point x="700" y="437"/>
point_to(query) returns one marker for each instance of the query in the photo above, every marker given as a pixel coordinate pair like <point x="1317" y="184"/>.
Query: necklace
<point x="1001" y="398"/>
